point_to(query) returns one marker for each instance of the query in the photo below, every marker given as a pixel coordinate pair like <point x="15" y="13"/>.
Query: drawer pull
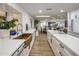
<point x="61" y="46"/>
<point x="51" y="40"/>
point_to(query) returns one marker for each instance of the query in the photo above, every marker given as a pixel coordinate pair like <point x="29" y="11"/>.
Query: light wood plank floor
<point x="41" y="47"/>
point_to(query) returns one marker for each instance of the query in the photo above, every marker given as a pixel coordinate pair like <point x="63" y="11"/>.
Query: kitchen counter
<point x="30" y="31"/>
<point x="9" y="46"/>
<point x="70" y="42"/>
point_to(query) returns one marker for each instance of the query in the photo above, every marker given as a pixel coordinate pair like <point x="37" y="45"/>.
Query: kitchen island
<point x="63" y="44"/>
<point x="9" y="47"/>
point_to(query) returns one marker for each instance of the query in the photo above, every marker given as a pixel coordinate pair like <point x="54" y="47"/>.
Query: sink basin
<point x="26" y="37"/>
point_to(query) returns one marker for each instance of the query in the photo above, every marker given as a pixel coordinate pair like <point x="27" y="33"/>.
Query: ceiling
<point x="6" y="8"/>
<point x="52" y="9"/>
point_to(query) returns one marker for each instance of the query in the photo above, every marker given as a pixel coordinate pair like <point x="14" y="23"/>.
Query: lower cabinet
<point x="64" y="51"/>
<point x="19" y="50"/>
<point x="54" y="44"/>
<point x="58" y="48"/>
<point x="27" y="50"/>
<point x="24" y="51"/>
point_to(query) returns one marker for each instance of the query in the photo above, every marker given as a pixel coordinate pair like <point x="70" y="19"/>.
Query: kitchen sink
<point x="25" y="36"/>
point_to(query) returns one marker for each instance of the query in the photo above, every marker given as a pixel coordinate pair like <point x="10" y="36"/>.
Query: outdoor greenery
<point x="35" y="23"/>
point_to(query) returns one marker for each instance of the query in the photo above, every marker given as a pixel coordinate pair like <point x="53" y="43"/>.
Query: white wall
<point x="25" y="16"/>
<point x="25" y="20"/>
<point x="71" y="16"/>
<point x="32" y="22"/>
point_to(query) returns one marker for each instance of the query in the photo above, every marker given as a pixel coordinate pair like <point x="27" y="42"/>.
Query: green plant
<point x="7" y="24"/>
<point x="65" y="30"/>
<point x="35" y="23"/>
<point x="12" y="24"/>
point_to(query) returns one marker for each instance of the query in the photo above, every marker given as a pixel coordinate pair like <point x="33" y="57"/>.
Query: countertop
<point x="30" y="31"/>
<point x="71" y="42"/>
<point x="9" y="46"/>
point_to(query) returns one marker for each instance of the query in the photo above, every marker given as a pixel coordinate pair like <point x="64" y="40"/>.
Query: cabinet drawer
<point x="64" y="51"/>
<point x="55" y="46"/>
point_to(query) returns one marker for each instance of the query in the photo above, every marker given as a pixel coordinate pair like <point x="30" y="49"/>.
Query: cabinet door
<point x="48" y="35"/>
<point x="25" y="52"/>
<point x="64" y="51"/>
<point x="19" y="50"/>
<point x="55" y="47"/>
<point x="53" y="43"/>
<point x="60" y="49"/>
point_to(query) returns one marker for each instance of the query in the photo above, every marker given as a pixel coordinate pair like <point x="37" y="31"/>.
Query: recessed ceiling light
<point x="61" y="10"/>
<point x="40" y="11"/>
<point x="43" y="16"/>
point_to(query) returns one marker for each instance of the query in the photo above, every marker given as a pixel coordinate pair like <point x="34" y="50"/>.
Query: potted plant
<point x="5" y="26"/>
<point x="65" y="30"/>
<point x="4" y="29"/>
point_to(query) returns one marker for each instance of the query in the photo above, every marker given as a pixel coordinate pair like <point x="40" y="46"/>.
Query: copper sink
<point x="26" y="37"/>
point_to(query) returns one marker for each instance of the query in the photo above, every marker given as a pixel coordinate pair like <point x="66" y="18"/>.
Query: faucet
<point x="19" y="28"/>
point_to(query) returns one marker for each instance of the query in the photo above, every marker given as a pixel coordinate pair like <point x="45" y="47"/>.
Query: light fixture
<point x="40" y="11"/>
<point x="43" y="16"/>
<point x="61" y="10"/>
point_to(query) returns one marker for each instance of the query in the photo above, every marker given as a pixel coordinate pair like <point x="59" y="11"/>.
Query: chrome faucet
<point x="19" y="28"/>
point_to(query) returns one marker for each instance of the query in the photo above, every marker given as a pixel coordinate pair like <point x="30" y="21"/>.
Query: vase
<point x="12" y="32"/>
<point x="4" y="33"/>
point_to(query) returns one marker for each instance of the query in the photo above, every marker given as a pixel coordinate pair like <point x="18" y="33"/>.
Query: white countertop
<point x="30" y="31"/>
<point x="71" y="42"/>
<point x="9" y="46"/>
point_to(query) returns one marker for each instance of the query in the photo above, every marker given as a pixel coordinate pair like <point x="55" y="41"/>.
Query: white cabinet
<point x="54" y="44"/>
<point x="18" y="51"/>
<point x="64" y="51"/>
<point x="55" y="47"/>
<point x="27" y="50"/>
<point x="58" y="48"/>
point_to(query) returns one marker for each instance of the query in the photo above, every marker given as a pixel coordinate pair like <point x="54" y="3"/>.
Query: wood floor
<point x="41" y="46"/>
